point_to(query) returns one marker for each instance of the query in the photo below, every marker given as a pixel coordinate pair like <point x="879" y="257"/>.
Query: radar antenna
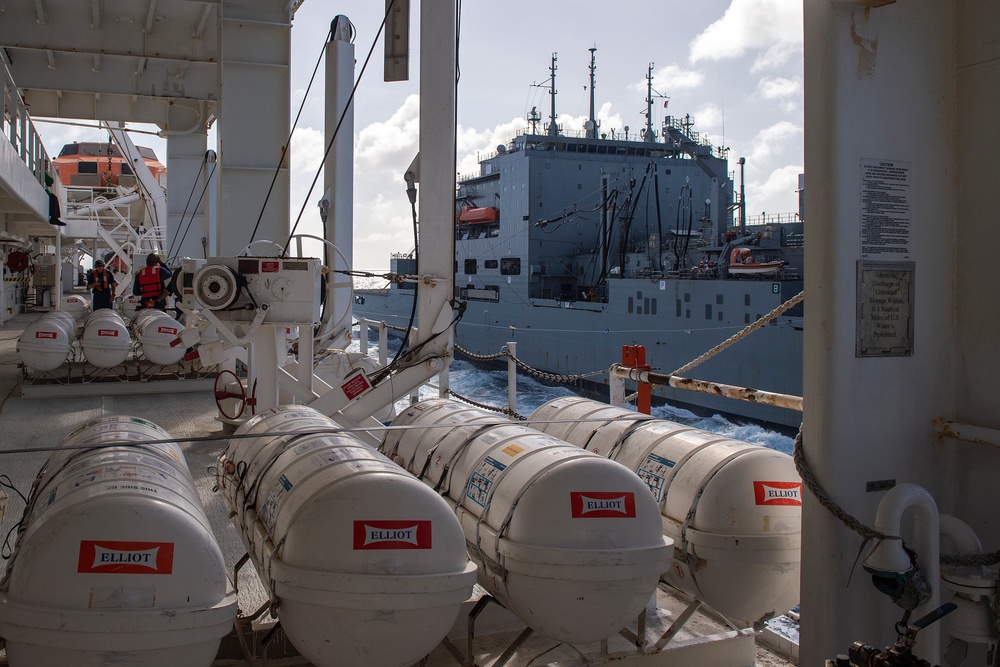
<point x="533" y="119"/>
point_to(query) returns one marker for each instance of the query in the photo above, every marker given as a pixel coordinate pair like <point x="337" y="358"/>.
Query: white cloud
<point x="772" y="140"/>
<point x="672" y="78"/>
<point x="786" y="92"/>
<point x="776" y="193"/>
<point x="709" y="117"/>
<point x="776" y="88"/>
<point x="772" y="28"/>
<point x="390" y="142"/>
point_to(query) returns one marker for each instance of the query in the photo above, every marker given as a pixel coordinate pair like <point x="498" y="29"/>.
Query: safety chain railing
<point x="530" y="370"/>
<point x="485" y="406"/>
<point x="481" y="357"/>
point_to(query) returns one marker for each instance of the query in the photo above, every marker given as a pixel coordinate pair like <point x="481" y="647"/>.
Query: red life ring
<point x="17" y="261"/>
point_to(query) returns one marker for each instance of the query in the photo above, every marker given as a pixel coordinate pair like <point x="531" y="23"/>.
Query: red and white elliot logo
<point x="46" y="334"/>
<point x="108" y="332"/>
<point x="392" y="535"/>
<point x="778" y="493"/>
<point x="109" y="557"/>
<point x="167" y="330"/>
<point x="602" y="504"/>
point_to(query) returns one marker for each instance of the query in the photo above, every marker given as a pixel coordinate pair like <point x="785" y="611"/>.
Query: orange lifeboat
<point x="102" y="165"/>
<point x="739" y="256"/>
<point x="479" y="215"/>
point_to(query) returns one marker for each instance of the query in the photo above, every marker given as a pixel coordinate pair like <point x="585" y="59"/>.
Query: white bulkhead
<point x="106" y="341"/>
<point x="366" y="566"/>
<point x="733" y="509"/>
<point x="569" y="542"/>
<point x="47" y="342"/>
<point x="115" y="562"/>
<point x="158" y="336"/>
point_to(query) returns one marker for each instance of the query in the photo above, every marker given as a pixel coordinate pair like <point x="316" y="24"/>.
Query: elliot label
<point x="270" y="267"/>
<point x="108" y="557"/>
<point x="392" y="535"/>
<point x="602" y="504"/>
<point x="108" y="332"/>
<point x="46" y="334"/>
<point x="777" y="493"/>
<point x="167" y="330"/>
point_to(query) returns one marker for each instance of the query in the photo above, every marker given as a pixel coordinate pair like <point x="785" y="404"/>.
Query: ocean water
<point x="490" y="387"/>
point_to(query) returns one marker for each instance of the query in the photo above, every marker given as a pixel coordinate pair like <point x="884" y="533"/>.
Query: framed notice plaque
<point x="885" y="309"/>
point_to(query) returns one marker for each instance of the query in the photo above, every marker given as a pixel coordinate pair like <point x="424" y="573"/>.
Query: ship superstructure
<point x="578" y="243"/>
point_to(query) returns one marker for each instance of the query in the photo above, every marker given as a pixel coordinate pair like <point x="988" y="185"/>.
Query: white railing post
<point x="383" y="344"/>
<point x="616" y="386"/>
<point x="511" y="378"/>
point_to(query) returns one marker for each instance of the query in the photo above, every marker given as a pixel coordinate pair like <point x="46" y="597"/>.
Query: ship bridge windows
<point x="470" y="266"/>
<point x="490" y="264"/>
<point x="510" y="266"/>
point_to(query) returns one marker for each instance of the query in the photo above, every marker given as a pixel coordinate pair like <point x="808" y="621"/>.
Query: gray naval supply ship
<point x="573" y="246"/>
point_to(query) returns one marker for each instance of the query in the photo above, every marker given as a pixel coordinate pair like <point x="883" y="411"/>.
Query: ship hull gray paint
<point x="577" y="337"/>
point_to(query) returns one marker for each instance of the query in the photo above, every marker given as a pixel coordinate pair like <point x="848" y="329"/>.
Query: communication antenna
<point x="592" y="123"/>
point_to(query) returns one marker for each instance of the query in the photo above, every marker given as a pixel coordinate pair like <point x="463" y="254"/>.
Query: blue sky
<point x="734" y="65"/>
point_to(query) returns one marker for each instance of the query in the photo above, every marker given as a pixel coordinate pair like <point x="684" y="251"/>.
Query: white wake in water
<point x="490" y="387"/>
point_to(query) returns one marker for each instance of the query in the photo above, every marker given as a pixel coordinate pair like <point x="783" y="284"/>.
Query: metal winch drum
<point x="115" y="562"/>
<point x="365" y="565"/>
<point x="158" y="336"/>
<point x="106" y="341"/>
<point x="733" y="509"/>
<point x="48" y="341"/>
<point x="568" y="541"/>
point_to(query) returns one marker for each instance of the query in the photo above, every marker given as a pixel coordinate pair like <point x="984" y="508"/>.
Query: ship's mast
<point x="743" y="200"/>
<point x="553" y="127"/>
<point x="592" y="129"/>
<point x="649" y="137"/>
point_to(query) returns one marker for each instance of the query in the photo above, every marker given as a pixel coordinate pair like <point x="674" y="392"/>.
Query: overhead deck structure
<point x="163" y="62"/>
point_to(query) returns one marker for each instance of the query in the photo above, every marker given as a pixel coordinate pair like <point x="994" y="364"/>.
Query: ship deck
<point x="32" y="426"/>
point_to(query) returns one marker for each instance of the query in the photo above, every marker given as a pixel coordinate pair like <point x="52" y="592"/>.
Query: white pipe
<point x="965" y="539"/>
<point x="85" y="211"/>
<point x="888" y="520"/>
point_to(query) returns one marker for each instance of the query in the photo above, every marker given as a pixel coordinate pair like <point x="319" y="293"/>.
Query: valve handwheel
<point x="222" y="394"/>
